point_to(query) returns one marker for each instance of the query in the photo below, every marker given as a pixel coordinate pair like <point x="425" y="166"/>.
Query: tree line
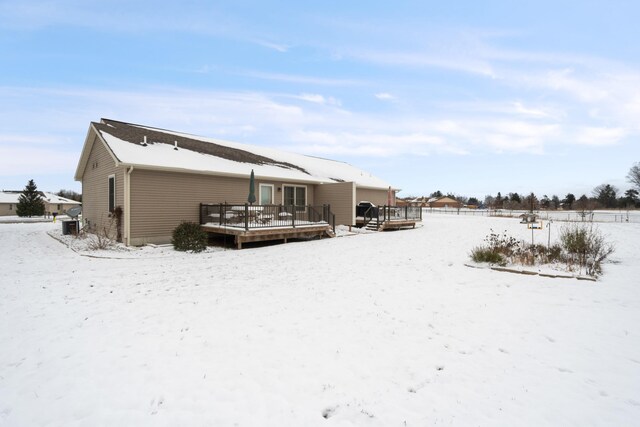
<point x="604" y="196"/>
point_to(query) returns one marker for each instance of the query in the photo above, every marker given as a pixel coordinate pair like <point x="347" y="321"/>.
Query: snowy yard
<point x="381" y="329"/>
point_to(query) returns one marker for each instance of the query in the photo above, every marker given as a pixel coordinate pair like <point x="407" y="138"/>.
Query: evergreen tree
<point x="30" y="202"/>
<point x="606" y="195"/>
<point x="555" y="202"/>
<point x="568" y="201"/>
<point x="515" y="197"/>
<point x="545" y="202"/>
<point x="630" y="199"/>
<point x="473" y="201"/>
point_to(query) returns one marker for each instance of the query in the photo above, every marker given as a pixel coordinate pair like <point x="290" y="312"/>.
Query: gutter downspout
<point x="127" y="205"/>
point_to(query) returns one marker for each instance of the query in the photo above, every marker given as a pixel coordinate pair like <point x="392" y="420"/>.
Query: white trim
<point x="127" y="205"/>
<point x="86" y="152"/>
<point x="273" y="192"/>
<point x="306" y="192"/>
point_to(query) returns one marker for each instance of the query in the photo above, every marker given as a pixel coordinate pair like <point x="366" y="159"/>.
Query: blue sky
<point x="468" y="97"/>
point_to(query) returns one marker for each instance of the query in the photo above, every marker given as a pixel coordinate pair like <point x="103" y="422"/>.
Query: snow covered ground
<point x="378" y="329"/>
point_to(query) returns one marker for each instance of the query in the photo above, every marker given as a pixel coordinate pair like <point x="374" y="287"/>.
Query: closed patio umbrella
<point x="252" y="188"/>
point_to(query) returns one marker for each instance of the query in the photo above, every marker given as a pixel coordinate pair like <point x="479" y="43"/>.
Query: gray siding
<point x="95" y="188"/>
<point x="377" y="197"/>
<point x="5" y="211"/>
<point x="341" y="197"/>
<point x="161" y="200"/>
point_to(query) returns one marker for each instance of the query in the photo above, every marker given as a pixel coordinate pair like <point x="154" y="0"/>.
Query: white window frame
<point x="273" y="192"/>
<point x="306" y="193"/>
<point x="109" y="195"/>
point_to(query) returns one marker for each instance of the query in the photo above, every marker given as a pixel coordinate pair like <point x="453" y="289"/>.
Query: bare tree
<point x="634" y="175"/>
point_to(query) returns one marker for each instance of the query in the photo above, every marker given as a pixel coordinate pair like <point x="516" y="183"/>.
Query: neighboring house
<point x="159" y="178"/>
<point x="52" y="203"/>
<point x="444" y="202"/>
<point x="8" y="202"/>
<point x="56" y="204"/>
<point x="418" y="202"/>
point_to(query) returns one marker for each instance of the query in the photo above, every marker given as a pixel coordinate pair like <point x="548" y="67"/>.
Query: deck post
<point x="293" y="217"/>
<point x="222" y="214"/>
<point x="246" y="216"/>
<point x="201" y="214"/>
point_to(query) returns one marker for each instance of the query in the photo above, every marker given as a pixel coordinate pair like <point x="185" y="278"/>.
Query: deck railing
<point x="381" y="214"/>
<point x="265" y="216"/>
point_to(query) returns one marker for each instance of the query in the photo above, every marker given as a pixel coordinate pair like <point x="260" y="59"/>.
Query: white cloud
<point x="599" y="136"/>
<point x="279" y="47"/>
<point x="319" y="99"/>
<point x="31" y="160"/>
<point x="385" y="96"/>
<point x="425" y="59"/>
<point x="293" y="78"/>
<point x="531" y="112"/>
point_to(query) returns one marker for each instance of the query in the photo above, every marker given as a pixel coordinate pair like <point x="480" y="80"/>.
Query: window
<point x="10" y="207"/>
<point x="266" y="194"/>
<point x="112" y="193"/>
<point x="59" y="208"/>
<point x="293" y="195"/>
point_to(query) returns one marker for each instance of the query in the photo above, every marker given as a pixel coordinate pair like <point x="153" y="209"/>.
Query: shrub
<point x="585" y="247"/>
<point x="503" y="243"/>
<point x="188" y="236"/>
<point x="580" y="245"/>
<point x="482" y="254"/>
<point x="554" y="253"/>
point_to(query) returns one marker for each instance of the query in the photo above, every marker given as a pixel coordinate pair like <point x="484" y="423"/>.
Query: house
<point x="52" y="203"/>
<point x="444" y="202"/>
<point x="160" y="178"/>
<point x="8" y="202"/>
<point x="57" y="204"/>
<point x="419" y="202"/>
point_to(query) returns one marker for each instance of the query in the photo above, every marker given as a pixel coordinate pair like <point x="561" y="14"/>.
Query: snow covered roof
<point x="12" y="197"/>
<point x="55" y="199"/>
<point x="9" y="196"/>
<point x="207" y="155"/>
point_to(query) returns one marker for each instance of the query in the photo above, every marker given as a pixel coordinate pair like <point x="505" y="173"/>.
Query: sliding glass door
<point x="294" y="195"/>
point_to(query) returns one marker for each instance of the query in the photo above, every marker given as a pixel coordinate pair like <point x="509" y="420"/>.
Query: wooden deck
<point x="393" y="224"/>
<point x="397" y="224"/>
<point x="242" y="235"/>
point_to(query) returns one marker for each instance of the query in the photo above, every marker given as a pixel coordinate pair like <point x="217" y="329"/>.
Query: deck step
<point x="372" y="226"/>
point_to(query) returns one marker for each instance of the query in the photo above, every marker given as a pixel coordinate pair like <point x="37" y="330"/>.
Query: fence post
<point x="246" y="216"/>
